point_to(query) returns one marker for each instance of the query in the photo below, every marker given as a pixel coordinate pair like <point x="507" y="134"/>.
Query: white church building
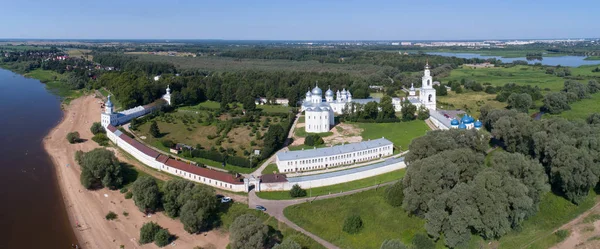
<point x="109" y="117"/>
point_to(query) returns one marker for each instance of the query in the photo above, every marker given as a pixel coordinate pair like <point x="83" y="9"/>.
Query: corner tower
<point x="427" y="93"/>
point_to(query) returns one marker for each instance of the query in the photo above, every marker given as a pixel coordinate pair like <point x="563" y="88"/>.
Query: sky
<point x="299" y="20"/>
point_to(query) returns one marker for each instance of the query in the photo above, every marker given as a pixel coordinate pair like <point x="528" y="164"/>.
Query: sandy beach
<point x="87" y="209"/>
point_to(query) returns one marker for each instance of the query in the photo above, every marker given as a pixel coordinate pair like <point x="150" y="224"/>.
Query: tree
<point x="394" y="194"/>
<point x="196" y="211"/>
<point x="556" y="103"/>
<point x="392" y="244"/>
<point x="408" y="111"/>
<point x="352" y="224"/>
<point x="593" y="119"/>
<point x="249" y="104"/>
<point x="313" y="140"/>
<point x="174" y="193"/>
<point x="371" y="110"/>
<point x="148" y="232"/>
<point x="423" y="113"/>
<point x="297" y="191"/>
<point x="520" y="102"/>
<point x="73" y="137"/>
<point x="100" y="167"/>
<point x="146" y="194"/>
<point x="438" y="141"/>
<point x="97" y="128"/>
<point x="387" y="109"/>
<point x="154" y="131"/>
<point x="516" y="132"/>
<point x="577" y="88"/>
<point x="574" y="172"/>
<point x="421" y="241"/>
<point x="593" y="86"/>
<point x="162" y="237"/>
<point x="101" y="139"/>
<point x="248" y="232"/>
<point x="288" y="244"/>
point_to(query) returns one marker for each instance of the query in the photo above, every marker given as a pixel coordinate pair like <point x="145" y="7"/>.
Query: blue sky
<point x="298" y="20"/>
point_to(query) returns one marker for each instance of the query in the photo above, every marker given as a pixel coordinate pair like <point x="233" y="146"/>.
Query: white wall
<point x="332" y="180"/>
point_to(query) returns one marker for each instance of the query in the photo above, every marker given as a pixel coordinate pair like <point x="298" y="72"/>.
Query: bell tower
<point x="427" y="95"/>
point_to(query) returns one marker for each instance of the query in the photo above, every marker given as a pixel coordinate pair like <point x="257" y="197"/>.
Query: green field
<point x="272" y="167"/>
<point x="54" y="84"/>
<point x="301" y="132"/>
<point x="592" y="58"/>
<point x="401" y="134"/>
<point x="325" y="218"/>
<point x="276" y="228"/>
<point x="581" y="109"/>
<point x="342" y="187"/>
<point x="586" y="72"/>
<point x="305" y="147"/>
<point x="469" y="101"/>
<point x="381" y="221"/>
<point x="498" y="76"/>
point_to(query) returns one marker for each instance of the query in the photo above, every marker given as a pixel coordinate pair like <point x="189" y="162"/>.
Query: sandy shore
<point x="87" y="209"/>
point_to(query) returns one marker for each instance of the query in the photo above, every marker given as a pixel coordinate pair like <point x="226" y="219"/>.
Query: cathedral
<point x="319" y="112"/>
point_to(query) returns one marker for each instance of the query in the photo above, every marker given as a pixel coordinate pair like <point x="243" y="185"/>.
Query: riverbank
<point x="87" y="209"/>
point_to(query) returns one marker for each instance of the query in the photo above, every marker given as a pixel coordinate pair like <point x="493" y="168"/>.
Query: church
<point x="319" y="112"/>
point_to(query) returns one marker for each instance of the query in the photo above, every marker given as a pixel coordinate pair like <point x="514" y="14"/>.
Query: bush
<point x="313" y="140"/>
<point x="73" y="137"/>
<point x="562" y="234"/>
<point x="168" y="143"/>
<point x="125" y="213"/>
<point x="148" y="232"/>
<point x="394" y="194"/>
<point x="353" y="224"/>
<point x="297" y="191"/>
<point x="123" y="190"/>
<point x="421" y="241"/>
<point x="161" y="238"/>
<point x="111" y="215"/>
<point x="101" y="139"/>
<point x="393" y="244"/>
<point x="97" y="128"/>
<point x="129" y="195"/>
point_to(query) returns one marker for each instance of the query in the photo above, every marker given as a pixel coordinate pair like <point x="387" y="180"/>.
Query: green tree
<point x="579" y="89"/>
<point x="101" y="139"/>
<point x="574" y="172"/>
<point x="146" y="194"/>
<point x="556" y="103"/>
<point x="247" y="232"/>
<point x="73" y="137"/>
<point x="520" y="102"/>
<point x="154" y="131"/>
<point x="408" y="111"/>
<point x="394" y="194"/>
<point x="371" y="110"/>
<point x="200" y="205"/>
<point x="516" y="132"/>
<point x="421" y="241"/>
<point x="423" y="113"/>
<point x="392" y="244"/>
<point x="148" y="232"/>
<point x="438" y="141"/>
<point x="387" y="109"/>
<point x="352" y="224"/>
<point x="97" y="128"/>
<point x="249" y="104"/>
<point x="288" y="244"/>
<point x="100" y="167"/>
<point x="162" y="237"/>
<point x="297" y="191"/>
<point x="174" y="193"/>
<point x="593" y="86"/>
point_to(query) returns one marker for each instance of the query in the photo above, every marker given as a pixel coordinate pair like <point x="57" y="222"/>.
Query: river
<point x="570" y="61"/>
<point x="32" y="211"/>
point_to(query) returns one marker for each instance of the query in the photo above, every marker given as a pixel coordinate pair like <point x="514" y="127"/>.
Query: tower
<point x="329" y="95"/>
<point x="411" y="91"/>
<point x="167" y="96"/>
<point x="108" y="117"/>
<point x="317" y="95"/>
<point x="427" y="94"/>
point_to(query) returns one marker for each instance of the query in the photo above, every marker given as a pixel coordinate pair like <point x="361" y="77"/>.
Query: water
<point x="32" y="211"/>
<point x="571" y="61"/>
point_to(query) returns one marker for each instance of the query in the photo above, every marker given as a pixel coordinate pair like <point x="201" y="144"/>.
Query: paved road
<point x="275" y="208"/>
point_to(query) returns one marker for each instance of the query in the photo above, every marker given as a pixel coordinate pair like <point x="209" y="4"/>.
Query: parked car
<point x="225" y="199"/>
<point x="261" y="208"/>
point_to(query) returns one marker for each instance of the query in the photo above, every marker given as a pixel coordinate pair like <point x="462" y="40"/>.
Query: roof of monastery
<point x="139" y="146"/>
<point x="345" y="172"/>
<point x="440" y="117"/>
<point x="111" y="128"/>
<point x="273" y="178"/>
<point x="208" y="173"/>
<point x="334" y="150"/>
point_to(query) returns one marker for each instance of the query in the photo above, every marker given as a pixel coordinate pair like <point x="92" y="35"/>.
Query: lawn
<point x="401" y="134"/>
<point x="592" y="58"/>
<point x="301" y="132"/>
<point x="585" y="71"/>
<point x="274" y="108"/>
<point x="80" y="53"/>
<point x="272" y="167"/>
<point x="498" y="76"/>
<point x="468" y="101"/>
<point x="381" y="221"/>
<point x="347" y="186"/>
<point x="582" y="109"/>
<point x="117" y="105"/>
<point x="305" y="147"/>
<point x="276" y="228"/>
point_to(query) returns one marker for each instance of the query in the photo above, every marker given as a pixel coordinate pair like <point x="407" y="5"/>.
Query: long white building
<point x="335" y="156"/>
<point x="109" y="117"/>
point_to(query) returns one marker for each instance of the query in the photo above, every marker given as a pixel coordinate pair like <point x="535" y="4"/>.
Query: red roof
<point x="111" y="128"/>
<point x="162" y="158"/>
<point x="208" y="173"/>
<point x="139" y="146"/>
<point x="273" y="178"/>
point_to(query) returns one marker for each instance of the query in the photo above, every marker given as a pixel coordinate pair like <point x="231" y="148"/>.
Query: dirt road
<point x="87" y="209"/>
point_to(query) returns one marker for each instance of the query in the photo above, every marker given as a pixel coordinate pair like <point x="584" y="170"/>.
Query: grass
<point x="305" y="147"/>
<point x="301" y="132"/>
<point x="592" y="58"/>
<point x="381" y="221"/>
<point x="270" y="169"/>
<point x="585" y="71"/>
<point x="117" y="105"/>
<point x="80" y="53"/>
<point x="498" y="76"/>
<point x="276" y="229"/>
<point x="401" y="134"/>
<point x="54" y="84"/>
<point x="591" y="218"/>
<point x="274" y="108"/>
<point x="342" y="187"/>
<point x="469" y="101"/>
<point x="581" y="109"/>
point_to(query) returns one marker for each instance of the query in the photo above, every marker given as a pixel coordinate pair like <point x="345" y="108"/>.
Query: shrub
<point x="123" y="190"/>
<point x="393" y="244"/>
<point x="562" y="234"/>
<point x="111" y="215"/>
<point x="421" y="241"/>
<point x="97" y="128"/>
<point x="394" y="194"/>
<point x="313" y="140"/>
<point x="125" y="213"/>
<point x="129" y="195"/>
<point x="168" y="143"/>
<point x="73" y="137"/>
<point x="161" y="238"/>
<point x="101" y="139"/>
<point x="297" y="191"/>
<point x="148" y="231"/>
<point x="353" y="224"/>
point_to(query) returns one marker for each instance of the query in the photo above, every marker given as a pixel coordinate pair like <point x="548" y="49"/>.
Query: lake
<point x="32" y="211"/>
<point x="571" y="61"/>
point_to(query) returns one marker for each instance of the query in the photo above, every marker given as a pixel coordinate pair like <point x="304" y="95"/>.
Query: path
<point x="275" y="208"/>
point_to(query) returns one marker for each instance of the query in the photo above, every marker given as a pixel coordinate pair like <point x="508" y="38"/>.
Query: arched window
<point x="428" y="82"/>
<point x="430" y="96"/>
